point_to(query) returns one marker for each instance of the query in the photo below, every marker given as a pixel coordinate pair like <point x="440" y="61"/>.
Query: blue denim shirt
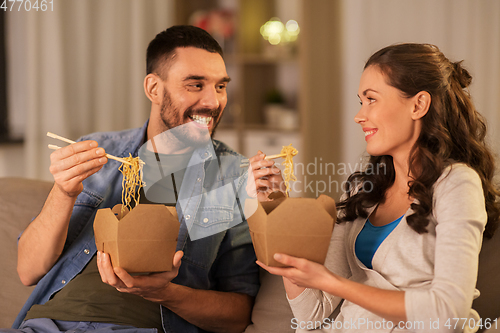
<point x="222" y="261"/>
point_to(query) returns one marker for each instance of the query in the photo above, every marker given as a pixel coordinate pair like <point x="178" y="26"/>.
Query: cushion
<point x="271" y="312"/>
<point x="488" y="304"/>
<point x="20" y="201"/>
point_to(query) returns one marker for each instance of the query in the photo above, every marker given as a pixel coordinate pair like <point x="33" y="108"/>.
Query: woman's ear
<point x="152" y="88"/>
<point x="421" y="106"/>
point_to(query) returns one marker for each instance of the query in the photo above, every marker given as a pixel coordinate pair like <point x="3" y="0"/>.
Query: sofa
<point x="22" y="199"/>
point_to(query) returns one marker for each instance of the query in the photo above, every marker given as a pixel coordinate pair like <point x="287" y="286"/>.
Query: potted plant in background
<point x="277" y="114"/>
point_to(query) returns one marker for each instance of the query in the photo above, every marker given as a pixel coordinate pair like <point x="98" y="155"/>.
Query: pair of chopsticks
<point x="245" y="162"/>
<point x="55" y="136"/>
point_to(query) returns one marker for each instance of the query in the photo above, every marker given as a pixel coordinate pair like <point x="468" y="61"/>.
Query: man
<point x="214" y="286"/>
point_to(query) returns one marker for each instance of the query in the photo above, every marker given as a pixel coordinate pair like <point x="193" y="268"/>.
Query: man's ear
<point x="152" y="88"/>
<point x="421" y="106"/>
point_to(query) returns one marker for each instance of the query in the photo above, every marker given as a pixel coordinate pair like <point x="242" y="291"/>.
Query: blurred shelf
<point x="256" y="127"/>
<point x="256" y="67"/>
<point x="259" y="59"/>
<point x="266" y="128"/>
<point x="6" y="141"/>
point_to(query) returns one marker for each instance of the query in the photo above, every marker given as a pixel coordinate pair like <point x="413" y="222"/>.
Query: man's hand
<point x="211" y="310"/>
<point x="150" y="287"/>
<point x="72" y="164"/>
<point x="266" y="177"/>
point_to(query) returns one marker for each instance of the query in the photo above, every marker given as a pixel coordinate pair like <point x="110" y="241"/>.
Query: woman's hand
<point x="266" y="178"/>
<point x="302" y="273"/>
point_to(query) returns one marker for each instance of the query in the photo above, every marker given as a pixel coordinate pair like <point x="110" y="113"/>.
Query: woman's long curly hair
<point x="452" y="131"/>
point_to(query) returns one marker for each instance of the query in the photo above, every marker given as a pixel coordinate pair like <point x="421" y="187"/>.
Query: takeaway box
<point x="140" y="241"/>
<point x="299" y="227"/>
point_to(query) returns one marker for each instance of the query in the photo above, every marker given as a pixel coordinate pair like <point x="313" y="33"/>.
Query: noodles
<point x="132" y="181"/>
<point x="288" y="163"/>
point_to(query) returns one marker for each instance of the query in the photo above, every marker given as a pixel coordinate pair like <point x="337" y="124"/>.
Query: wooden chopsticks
<point x="55" y="136"/>
<point x="245" y="162"/>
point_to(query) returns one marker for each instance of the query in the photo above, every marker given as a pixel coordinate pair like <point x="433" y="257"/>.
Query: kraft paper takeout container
<point x="142" y="240"/>
<point x="299" y="227"/>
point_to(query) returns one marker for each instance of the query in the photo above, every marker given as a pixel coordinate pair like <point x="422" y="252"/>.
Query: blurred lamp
<point x="276" y="32"/>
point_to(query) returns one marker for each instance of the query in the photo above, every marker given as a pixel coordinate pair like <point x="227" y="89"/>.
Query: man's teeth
<point x="201" y="119"/>
<point x="369" y="132"/>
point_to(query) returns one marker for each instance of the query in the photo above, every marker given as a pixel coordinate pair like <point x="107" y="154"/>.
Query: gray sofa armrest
<point x="20" y="201"/>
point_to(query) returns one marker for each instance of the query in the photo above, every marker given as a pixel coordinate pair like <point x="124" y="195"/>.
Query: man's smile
<point x="203" y="120"/>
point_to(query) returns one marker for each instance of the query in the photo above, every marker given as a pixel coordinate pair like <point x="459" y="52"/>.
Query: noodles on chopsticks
<point x="288" y="175"/>
<point x="132" y="181"/>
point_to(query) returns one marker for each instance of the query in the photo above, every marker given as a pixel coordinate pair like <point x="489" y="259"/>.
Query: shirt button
<point x="198" y="180"/>
<point x="188" y="217"/>
<point x="86" y="251"/>
<point x="205" y="220"/>
<point x="63" y="281"/>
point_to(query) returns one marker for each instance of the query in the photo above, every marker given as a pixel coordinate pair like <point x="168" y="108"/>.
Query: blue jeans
<point x="44" y="325"/>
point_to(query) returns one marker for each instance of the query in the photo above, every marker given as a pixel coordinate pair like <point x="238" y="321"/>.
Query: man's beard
<point x="172" y="117"/>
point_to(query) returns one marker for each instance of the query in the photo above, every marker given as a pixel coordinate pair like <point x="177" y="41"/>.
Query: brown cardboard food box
<point x="142" y="240"/>
<point x="299" y="227"/>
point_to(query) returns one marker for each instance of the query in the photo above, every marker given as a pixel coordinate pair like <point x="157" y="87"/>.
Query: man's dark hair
<point x="162" y="47"/>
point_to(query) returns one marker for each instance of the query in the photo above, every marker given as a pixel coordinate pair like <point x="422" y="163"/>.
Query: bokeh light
<point x="276" y="32"/>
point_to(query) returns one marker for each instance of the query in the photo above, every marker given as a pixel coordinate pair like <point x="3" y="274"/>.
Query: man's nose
<point x="210" y="99"/>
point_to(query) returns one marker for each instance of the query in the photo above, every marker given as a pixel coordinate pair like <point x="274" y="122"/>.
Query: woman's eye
<point x="371" y="100"/>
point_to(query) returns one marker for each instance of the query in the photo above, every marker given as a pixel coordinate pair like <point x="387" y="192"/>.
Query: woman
<point x="404" y="253"/>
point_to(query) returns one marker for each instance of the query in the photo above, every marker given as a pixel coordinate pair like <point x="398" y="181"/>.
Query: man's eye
<point x="195" y="86"/>
<point x="221" y="86"/>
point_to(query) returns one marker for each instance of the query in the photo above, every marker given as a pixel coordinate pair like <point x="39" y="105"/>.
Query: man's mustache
<point x="214" y="113"/>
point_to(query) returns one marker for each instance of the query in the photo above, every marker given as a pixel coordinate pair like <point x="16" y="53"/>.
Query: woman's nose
<point x="360" y="117"/>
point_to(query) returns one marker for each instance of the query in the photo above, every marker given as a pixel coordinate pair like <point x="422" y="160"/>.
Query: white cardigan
<point x="437" y="270"/>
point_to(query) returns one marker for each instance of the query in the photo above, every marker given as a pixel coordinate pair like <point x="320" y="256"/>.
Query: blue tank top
<point x="370" y="238"/>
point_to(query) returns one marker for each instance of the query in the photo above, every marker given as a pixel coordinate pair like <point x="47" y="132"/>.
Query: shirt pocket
<point x="212" y="217"/>
<point x="89" y="199"/>
<point x="210" y="221"/>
